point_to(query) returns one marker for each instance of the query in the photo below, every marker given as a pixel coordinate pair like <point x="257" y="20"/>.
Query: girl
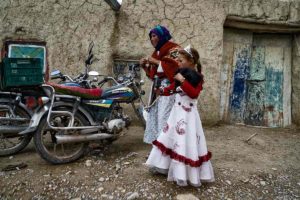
<point x="180" y="150"/>
<point x="161" y="64"/>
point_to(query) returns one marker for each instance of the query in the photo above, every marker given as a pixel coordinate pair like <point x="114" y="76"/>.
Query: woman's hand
<point x="179" y="77"/>
<point x="143" y="61"/>
<point x="153" y="61"/>
<point x="158" y="91"/>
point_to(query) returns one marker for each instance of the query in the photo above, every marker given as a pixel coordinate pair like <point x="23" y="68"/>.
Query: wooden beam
<point x="261" y="25"/>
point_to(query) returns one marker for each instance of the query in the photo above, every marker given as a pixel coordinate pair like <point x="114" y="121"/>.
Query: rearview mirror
<point x="93" y="73"/>
<point x="55" y="74"/>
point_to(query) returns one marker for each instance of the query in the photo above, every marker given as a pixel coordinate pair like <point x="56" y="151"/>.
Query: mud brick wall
<point x="68" y="27"/>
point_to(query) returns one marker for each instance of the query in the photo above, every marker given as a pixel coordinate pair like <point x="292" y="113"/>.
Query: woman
<point x="162" y="64"/>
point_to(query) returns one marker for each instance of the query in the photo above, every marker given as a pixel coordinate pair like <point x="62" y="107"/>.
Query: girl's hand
<point x="179" y="77"/>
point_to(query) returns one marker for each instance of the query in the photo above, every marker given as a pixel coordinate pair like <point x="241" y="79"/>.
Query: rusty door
<point x="259" y="91"/>
<point x="270" y="63"/>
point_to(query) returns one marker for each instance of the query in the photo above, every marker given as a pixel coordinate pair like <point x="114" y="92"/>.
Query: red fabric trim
<point x="181" y="158"/>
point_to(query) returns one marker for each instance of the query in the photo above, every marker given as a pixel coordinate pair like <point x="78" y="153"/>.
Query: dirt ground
<point x="266" y="167"/>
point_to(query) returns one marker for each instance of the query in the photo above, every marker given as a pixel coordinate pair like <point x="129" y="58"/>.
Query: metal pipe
<point x="11" y="129"/>
<point x="8" y="119"/>
<point x="62" y="139"/>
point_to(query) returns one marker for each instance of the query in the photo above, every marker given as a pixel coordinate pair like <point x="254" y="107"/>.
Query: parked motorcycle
<point x="78" y="111"/>
<point x="14" y="118"/>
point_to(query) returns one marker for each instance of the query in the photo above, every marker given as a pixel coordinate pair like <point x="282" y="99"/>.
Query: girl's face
<point x="154" y="39"/>
<point x="184" y="62"/>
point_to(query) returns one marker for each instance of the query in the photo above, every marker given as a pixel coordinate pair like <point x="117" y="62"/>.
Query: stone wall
<point x="68" y="26"/>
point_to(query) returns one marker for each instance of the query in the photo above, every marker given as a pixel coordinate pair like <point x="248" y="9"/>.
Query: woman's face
<point x="154" y="39"/>
<point x="184" y="62"/>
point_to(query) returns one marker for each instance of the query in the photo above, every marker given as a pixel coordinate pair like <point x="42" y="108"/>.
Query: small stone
<point x="11" y="157"/>
<point x="88" y="163"/>
<point x="274" y="169"/>
<point x="228" y="182"/>
<point x="263" y="183"/>
<point x="186" y="197"/>
<point x="134" y="195"/>
<point x="246" y="180"/>
<point x="101" y="179"/>
<point x="100" y="189"/>
<point x="69" y="172"/>
<point x="126" y="163"/>
<point x="209" y="190"/>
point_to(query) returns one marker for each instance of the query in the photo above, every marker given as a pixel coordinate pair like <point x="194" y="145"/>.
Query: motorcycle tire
<point x="13" y="145"/>
<point x="44" y="149"/>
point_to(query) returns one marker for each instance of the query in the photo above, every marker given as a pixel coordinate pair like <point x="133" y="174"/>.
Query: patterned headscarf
<point x="163" y="35"/>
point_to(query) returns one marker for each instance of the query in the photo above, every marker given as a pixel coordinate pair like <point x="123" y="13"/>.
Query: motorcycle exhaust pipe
<point x="11" y="131"/>
<point x="62" y="139"/>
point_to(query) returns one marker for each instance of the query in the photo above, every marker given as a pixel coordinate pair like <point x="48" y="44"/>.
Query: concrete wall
<point x="68" y="26"/>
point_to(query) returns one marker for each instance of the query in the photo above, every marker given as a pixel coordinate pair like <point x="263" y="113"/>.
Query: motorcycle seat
<point x="93" y="93"/>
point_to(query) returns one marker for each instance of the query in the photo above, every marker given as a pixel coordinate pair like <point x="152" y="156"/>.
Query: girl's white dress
<point x="180" y="151"/>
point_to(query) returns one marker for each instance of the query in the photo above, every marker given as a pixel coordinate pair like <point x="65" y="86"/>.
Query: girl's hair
<point x="192" y="56"/>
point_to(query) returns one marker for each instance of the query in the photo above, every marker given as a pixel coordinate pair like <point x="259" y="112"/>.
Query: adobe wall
<point x="69" y="26"/>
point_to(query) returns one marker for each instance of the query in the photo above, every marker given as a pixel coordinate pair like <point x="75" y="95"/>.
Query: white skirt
<point x="180" y="150"/>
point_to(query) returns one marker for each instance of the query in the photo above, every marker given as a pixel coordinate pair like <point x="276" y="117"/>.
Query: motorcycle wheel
<point x="12" y="145"/>
<point x="49" y="150"/>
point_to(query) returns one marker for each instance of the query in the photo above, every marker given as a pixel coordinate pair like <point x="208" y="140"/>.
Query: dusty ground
<point x="267" y="167"/>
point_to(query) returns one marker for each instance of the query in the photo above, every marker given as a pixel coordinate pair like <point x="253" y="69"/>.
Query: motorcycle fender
<point x="38" y="115"/>
<point x="23" y="106"/>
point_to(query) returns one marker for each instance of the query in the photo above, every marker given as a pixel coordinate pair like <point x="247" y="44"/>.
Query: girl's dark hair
<point x="195" y="58"/>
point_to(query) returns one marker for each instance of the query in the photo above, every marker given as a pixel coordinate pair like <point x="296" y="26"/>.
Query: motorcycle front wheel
<point x="13" y="143"/>
<point x="45" y="141"/>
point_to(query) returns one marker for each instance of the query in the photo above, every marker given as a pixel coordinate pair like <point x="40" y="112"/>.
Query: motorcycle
<point x="14" y="118"/>
<point x="78" y="112"/>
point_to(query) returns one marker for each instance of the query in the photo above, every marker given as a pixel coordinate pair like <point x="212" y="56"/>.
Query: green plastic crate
<point x="18" y="72"/>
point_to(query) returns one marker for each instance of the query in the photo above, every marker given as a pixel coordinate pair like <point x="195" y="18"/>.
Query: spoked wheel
<point x="47" y="146"/>
<point x="11" y="143"/>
